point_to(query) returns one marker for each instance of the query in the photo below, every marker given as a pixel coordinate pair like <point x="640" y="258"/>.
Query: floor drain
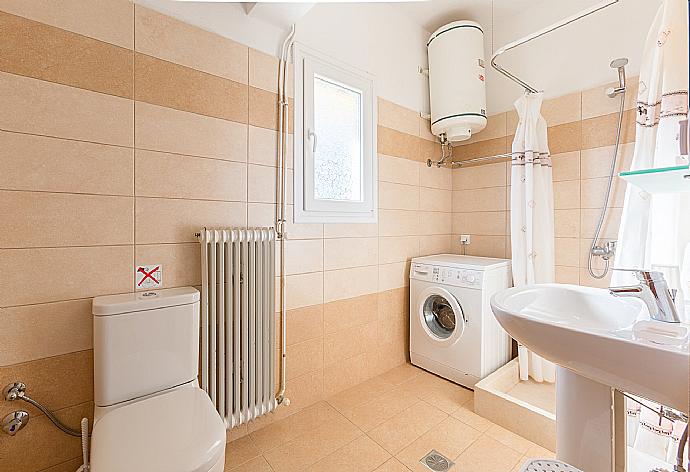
<point x="436" y="461"/>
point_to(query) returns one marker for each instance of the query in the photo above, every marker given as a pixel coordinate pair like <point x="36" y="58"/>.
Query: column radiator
<point x="238" y="322"/>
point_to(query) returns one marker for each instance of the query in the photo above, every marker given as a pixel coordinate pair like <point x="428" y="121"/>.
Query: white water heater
<point x="457" y="81"/>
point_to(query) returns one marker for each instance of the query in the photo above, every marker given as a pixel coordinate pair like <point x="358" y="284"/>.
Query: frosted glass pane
<point x="338" y="128"/>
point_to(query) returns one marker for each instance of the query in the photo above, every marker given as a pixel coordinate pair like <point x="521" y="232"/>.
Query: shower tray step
<point x="547" y="465"/>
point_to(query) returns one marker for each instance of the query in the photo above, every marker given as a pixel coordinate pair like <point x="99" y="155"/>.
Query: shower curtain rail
<point x="537" y="34"/>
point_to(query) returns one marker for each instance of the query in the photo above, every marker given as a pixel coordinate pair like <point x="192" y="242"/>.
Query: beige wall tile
<point x="567" y="275"/>
<point x="175" y="176"/>
<point x="565" y="137"/>
<point x="589" y="281"/>
<point x="596" y="162"/>
<point x="350" y="252"/>
<point x="594" y="192"/>
<point x="435" y="244"/>
<point x="566" y="166"/>
<point x="166" y="38"/>
<point x="304" y="357"/>
<point x="68" y="466"/>
<point x="263" y="147"/>
<point x="397" y="144"/>
<point x="612" y="222"/>
<point x="263" y="109"/>
<point x="436" y="178"/>
<point x="262" y="184"/>
<point x="39" y="107"/>
<point x="48" y="53"/>
<point x="601" y="130"/>
<point x="342" y="314"/>
<point x="343" y="374"/>
<point x="428" y="150"/>
<point x="395" y="275"/>
<point x="175" y="86"/>
<point x="165" y="129"/>
<point x="398" y="223"/>
<point x="344" y="230"/>
<point x="398" y="196"/>
<point x="489" y="175"/>
<point x="567" y="252"/>
<point x="482" y="199"/>
<point x="425" y="130"/>
<point x="62" y="327"/>
<point x="349" y="283"/>
<point x="486" y="223"/>
<point x="398" y="118"/>
<point x="595" y="102"/>
<point x="39" y="219"/>
<point x="566" y="194"/>
<point x="111" y="21"/>
<point x="434" y="222"/>
<point x="303" y="290"/>
<point x="487" y="246"/>
<point x="56" y="165"/>
<point x="397" y="248"/>
<point x="349" y="342"/>
<point x="163" y="220"/>
<point x="567" y="223"/>
<point x="181" y="262"/>
<point x="398" y="170"/>
<point x="304" y="323"/>
<point x="435" y="200"/>
<point x="102" y="270"/>
<point x="303" y="256"/>
<point x="564" y="109"/>
<point x="263" y="72"/>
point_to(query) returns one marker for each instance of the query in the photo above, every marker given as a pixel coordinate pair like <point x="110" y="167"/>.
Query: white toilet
<point x="150" y="413"/>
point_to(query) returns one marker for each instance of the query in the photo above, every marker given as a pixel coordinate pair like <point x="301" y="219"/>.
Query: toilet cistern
<point x="654" y="292"/>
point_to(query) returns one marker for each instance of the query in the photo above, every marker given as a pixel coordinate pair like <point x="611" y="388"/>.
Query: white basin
<point x="596" y="335"/>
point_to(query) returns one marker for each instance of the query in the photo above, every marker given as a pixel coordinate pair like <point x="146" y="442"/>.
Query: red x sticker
<point x="150" y="276"/>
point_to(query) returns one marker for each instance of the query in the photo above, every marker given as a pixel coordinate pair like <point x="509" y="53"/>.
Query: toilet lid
<point x="179" y="431"/>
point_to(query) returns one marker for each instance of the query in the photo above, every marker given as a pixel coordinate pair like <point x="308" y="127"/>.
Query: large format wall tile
<point x="29" y="162"/>
<point x="172" y="40"/>
<point x="176" y="86"/>
<point x="111" y="21"/>
<point x="39" y="107"/>
<point x="165" y="129"/>
<point x="33" y="49"/>
<point x="46" y="275"/>
<point x="41" y="219"/>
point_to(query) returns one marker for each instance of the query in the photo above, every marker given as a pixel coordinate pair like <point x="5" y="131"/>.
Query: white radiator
<point x="238" y="322"/>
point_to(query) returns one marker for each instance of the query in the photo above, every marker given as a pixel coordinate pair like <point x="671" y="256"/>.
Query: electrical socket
<point x="464" y="239"/>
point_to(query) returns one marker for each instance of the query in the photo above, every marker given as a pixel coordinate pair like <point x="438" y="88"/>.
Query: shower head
<point x="618" y="64"/>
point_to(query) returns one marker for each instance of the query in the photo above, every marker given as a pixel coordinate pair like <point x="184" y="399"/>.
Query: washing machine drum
<point x="441" y="314"/>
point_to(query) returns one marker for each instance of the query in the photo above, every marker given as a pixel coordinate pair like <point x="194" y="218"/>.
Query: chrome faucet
<point x="654" y="292"/>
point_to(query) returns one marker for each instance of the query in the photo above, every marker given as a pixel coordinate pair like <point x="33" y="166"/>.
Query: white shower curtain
<point x="655" y="229"/>
<point x="531" y="224"/>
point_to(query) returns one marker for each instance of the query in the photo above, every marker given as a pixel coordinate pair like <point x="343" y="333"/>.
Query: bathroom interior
<point x="344" y="236"/>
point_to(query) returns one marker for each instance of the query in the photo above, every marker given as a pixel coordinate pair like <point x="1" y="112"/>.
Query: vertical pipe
<point x="283" y="115"/>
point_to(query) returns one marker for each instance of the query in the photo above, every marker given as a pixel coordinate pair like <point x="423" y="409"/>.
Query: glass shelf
<point x="660" y="180"/>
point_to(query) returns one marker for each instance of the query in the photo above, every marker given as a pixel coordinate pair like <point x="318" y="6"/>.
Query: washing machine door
<point x="440" y="315"/>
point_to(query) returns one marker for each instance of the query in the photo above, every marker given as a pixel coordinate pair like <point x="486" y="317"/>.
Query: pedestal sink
<point x="600" y="343"/>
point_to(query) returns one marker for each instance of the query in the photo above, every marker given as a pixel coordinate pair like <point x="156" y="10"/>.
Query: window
<point x="335" y="141"/>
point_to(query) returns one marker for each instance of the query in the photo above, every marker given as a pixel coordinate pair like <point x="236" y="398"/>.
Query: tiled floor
<point x="386" y="424"/>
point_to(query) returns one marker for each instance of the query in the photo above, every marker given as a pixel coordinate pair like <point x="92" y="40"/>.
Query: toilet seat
<point x="178" y="431"/>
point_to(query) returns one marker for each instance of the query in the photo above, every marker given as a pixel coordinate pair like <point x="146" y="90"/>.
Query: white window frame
<point x="307" y="209"/>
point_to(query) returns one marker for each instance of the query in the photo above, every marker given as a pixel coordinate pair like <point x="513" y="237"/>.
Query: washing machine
<point x="453" y="332"/>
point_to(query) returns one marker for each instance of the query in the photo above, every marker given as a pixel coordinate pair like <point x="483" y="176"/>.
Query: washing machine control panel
<point x="447" y="275"/>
